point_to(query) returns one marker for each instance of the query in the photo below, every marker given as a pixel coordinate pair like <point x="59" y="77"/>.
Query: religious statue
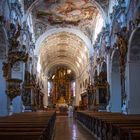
<point x="122" y="45"/>
<point x="61" y="91"/>
<point x="15" y="33"/>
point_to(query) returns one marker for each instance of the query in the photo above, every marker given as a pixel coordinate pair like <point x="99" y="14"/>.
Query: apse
<point x="61" y="85"/>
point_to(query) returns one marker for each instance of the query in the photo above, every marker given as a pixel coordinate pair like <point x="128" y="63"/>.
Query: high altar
<point x="62" y="87"/>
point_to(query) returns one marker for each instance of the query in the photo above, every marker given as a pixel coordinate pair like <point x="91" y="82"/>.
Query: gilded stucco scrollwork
<point x="13" y="88"/>
<point x="6" y="70"/>
<point x="122" y="47"/>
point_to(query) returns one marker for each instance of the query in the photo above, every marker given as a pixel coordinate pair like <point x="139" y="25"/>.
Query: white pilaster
<point x="133" y="92"/>
<point x="45" y="98"/>
<point x="77" y="93"/>
<point x="3" y="96"/>
<point x="108" y="67"/>
<point x="115" y="93"/>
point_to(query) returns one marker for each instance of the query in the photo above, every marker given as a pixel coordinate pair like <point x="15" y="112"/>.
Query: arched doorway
<point x="133" y="73"/>
<point x="115" y="86"/>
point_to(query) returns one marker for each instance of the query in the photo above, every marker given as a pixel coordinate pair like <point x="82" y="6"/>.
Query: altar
<point x="61" y="107"/>
<point x="61" y="89"/>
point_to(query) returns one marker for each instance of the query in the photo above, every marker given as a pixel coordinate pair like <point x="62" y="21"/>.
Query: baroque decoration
<point x="81" y="14"/>
<point x="13" y="88"/>
<point x="122" y="47"/>
<point x="101" y="86"/>
<point x="27" y="87"/>
<point x="16" y="53"/>
<point x="71" y="12"/>
<point x="61" y="92"/>
<point x="6" y="70"/>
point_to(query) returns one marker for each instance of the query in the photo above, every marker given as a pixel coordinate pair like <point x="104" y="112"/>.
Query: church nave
<point x="68" y="129"/>
<point x="68" y="57"/>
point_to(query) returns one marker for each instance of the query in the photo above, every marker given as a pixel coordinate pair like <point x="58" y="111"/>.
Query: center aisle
<point x="68" y="129"/>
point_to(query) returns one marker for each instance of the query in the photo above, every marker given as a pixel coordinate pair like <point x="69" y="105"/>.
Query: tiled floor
<point x="69" y="129"/>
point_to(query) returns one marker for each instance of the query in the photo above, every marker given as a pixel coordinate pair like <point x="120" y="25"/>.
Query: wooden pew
<point x="110" y="126"/>
<point x="134" y="134"/>
<point x="28" y="126"/>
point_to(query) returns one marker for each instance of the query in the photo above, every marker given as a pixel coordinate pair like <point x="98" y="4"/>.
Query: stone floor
<point x="68" y="129"/>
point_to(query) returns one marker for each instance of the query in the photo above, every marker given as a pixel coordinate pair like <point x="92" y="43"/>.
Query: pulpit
<point x="13" y="88"/>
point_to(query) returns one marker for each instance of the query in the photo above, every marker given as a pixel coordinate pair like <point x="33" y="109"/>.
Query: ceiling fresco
<point x="66" y="11"/>
<point x="79" y="14"/>
<point x="29" y="3"/>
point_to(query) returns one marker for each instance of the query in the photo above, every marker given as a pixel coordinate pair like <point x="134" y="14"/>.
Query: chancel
<point x="61" y="54"/>
<point x="61" y="89"/>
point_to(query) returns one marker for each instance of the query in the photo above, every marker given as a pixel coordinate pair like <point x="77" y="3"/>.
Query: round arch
<point x="132" y="73"/>
<point x="63" y="62"/>
<point x="76" y="32"/>
<point x="134" y="46"/>
<point x="74" y="69"/>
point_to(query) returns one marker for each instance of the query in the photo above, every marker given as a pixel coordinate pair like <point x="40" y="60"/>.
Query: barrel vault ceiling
<point x="81" y="15"/>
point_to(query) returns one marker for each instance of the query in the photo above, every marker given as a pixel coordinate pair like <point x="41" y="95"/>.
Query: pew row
<point x="110" y="126"/>
<point x="28" y="126"/>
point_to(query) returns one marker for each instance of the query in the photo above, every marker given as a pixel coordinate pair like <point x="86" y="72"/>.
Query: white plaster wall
<point x="6" y="10"/>
<point x="110" y="10"/>
<point x="127" y="85"/>
<point x="108" y="68"/>
<point x="133" y="77"/>
<point x="77" y="93"/>
<point x="17" y="102"/>
<point x="3" y="96"/>
<point x="111" y="4"/>
<point x="109" y="79"/>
